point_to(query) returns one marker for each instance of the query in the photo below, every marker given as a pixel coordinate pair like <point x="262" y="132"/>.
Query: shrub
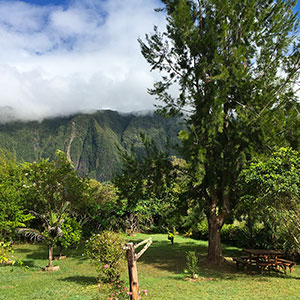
<point x="71" y="230"/>
<point x="192" y="264"/>
<point x="201" y="232"/>
<point x="171" y="235"/>
<point x="228" y="233"/>
<point x="5" y="249"/>
<point x="106" y="251"/>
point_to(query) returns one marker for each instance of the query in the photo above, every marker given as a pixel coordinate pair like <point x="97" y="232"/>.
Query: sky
<point x="67" y="56"/>
<point x="60" y="57"/>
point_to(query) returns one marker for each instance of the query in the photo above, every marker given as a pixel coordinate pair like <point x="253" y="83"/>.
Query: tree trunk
<point x="50" y="254"/>
<point x="60" y="251"/>
<point x="215" y="218"/>
<point x="214" y="241"/>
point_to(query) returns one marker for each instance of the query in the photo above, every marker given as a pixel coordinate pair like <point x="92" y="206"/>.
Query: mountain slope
<point x="90" y="140"/>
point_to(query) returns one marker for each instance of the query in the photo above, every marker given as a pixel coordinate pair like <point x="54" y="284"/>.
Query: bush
<point x="71" y="233"/>
<point x="201" y="230"/>
<point x="171" y="235"/>
<point x="192" y="264"/>
<point x="287" y="244"/>
<point x="106" y="251"/>
<point x="229" y="233"/>
<point x="5" y="250"/>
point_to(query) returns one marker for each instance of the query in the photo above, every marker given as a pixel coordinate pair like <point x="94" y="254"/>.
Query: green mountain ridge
<point x="91" y="141"/>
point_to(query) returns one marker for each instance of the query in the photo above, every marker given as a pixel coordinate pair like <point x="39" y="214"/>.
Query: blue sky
<point x="298" y="7"/>
<point x="47" y="2"/>
<point x="63" y="56"/>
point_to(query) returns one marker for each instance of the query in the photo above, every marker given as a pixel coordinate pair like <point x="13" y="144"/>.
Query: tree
<point x="51" y="189"/>
<point x="147" y="187"/>
<point x="50" y="184"/>
<point x="12" y="210"/>
<point x="271" y="186"/>
<point x="234" y="63"/>
<point x="52" y="223"/>
<point x="103" y="210"/>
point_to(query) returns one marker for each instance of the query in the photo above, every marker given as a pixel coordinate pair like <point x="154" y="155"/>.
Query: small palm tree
<point x="52" y="222"/>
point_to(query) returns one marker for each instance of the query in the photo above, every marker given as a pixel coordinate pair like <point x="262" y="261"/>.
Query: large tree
<point x="234" y="63"/>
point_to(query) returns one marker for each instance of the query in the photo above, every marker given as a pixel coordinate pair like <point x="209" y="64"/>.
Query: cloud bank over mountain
<point x="81" y="55"/>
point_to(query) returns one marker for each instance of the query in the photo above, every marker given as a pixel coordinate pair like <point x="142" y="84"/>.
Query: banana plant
<point x="52" y="223"/>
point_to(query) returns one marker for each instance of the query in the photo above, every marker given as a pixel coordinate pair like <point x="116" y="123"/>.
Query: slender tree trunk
<point x="50" y="254"/>
<point x="60" y="251"/>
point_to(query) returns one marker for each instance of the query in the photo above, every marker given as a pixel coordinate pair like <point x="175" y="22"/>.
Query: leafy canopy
<point x="147" y="187"/>
<point x="272" y="186"/>
<point x="234" y="64"/>
<point x="50" y="184"/>
<point x="12" y="210"/>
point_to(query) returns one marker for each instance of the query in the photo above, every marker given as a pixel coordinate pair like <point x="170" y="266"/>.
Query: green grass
<point x="161" y="272"/>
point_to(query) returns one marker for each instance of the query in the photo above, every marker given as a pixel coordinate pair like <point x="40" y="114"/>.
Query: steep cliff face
<point x="91" y="141"/>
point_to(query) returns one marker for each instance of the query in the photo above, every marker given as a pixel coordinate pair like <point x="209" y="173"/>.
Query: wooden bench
<point x="275" y="264"/>
<point x="284" y="263"/>
<point x="264" y="260"/>
<point x="241" y="260"/>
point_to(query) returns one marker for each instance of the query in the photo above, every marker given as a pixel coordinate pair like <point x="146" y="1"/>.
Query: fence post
<point x="132" y="265"/>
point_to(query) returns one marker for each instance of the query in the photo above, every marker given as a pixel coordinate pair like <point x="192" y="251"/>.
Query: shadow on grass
<point x="31" y="264"/>
<point x="172" y="258"/>
<point x="40" y="251"/>
<point x="37" y="251"/>
<point x="165" y="256"/>
<point x="82" y="280"/>
<point x="24" y="250"/>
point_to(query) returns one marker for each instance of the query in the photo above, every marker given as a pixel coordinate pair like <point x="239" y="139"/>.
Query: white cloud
<point x="56" y="60"/>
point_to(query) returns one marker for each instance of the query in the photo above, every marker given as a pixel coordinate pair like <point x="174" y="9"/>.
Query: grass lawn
<point x="160" y="272"/>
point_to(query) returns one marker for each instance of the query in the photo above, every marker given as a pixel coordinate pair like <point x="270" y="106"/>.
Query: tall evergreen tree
<point x="235" y="63"/>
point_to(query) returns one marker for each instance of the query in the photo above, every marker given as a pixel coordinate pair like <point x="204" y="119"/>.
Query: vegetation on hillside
<point x="91" y="141"/>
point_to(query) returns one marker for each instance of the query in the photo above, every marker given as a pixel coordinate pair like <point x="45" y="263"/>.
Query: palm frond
<point x="33" y="234"/>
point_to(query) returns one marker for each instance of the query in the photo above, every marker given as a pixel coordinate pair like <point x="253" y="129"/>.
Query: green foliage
<point x="270" y="190"/>
<point x="171" y="235"/>
<point x="228" y="233"/>
<point x="236" y="64"/>
<point x="12" y="206"/>
<point x="147" y="188"/>
<point x="71" y="233"/>
<point x="95" y="139"/>
<point x="192" y="264"/>
<point x="274" y="180"/>
<point x="51" y="223"/>
<point x="106" y="252"/>
<point x="103" y="208"/>
<point x="50" y="184"/>
<point x="200" y="230"/>
<point x="5" y="250"/>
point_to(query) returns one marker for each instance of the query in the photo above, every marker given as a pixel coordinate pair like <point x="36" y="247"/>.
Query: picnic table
<point x="264" y="260"/>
